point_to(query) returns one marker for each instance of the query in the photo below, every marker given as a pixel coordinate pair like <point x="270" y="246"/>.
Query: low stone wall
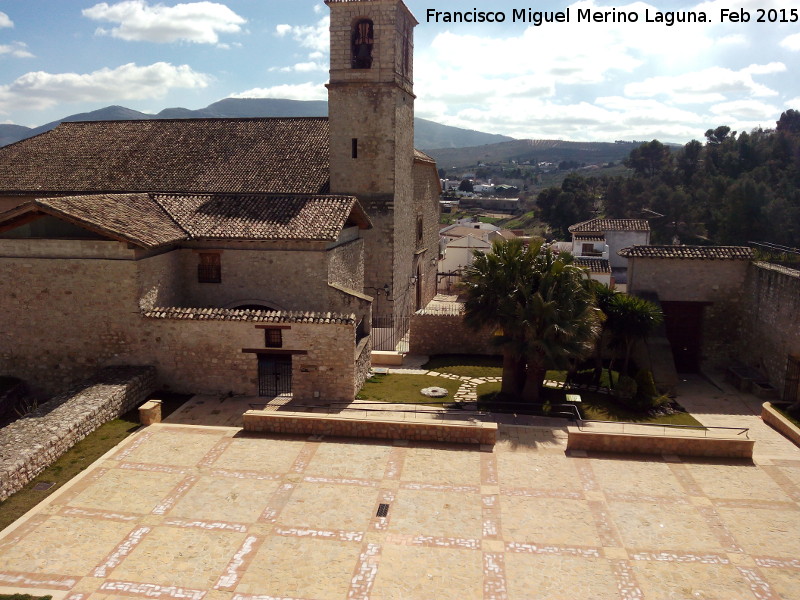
<point x="32" y="443"/>
<point x="315" y="424"/>
<point x="781" y="424"/>
<point x="433" y="333"/>
<point x="645" y="444"/>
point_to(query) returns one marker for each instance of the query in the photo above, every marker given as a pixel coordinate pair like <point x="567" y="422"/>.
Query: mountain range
<point x="427" y="134"/>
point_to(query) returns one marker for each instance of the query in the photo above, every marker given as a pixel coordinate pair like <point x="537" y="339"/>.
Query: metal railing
<point x="627" y="426"/>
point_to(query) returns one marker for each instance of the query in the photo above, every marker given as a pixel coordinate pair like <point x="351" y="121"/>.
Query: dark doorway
<point x="684" y="325"/>
<point x="274" y="375"/>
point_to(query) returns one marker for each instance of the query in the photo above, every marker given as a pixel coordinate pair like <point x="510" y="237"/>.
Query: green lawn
<point x="23" y="597"/>
<point x="405" y="389"/>
<point x="468" y="365"/>
<point x="593" y="406"/>
<point x="80" y="456"/>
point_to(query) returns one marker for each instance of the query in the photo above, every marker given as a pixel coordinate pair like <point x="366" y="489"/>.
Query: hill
<point x="427" y="134"/>
<point x="533" y="151"/>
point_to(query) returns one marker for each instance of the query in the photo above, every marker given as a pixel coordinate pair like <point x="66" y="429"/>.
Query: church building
<point x="237" y="256"/>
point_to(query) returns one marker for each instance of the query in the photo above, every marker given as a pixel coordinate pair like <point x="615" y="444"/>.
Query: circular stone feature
<point x="434" y="392"/>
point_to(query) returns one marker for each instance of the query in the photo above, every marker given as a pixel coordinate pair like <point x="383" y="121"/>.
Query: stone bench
<point x="462" y="432"/>
<point x="626" y="443"/>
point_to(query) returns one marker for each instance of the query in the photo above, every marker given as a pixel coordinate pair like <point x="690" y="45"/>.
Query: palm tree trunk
<point x="513" y="375"/>
<point x="534" y="379"/>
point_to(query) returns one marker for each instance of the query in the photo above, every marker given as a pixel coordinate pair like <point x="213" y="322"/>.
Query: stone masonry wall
<point x="426" y="201"/>
<point x="447" y="334"/>
<point x="205" y="354"/>
<point x="62" y="319"/>
<point x="31" y="444"/>
<point x="255" y="275"/>
<point x="346" y="265"/>
<point x="771" y="325"/>
<point x="716" y="282"/>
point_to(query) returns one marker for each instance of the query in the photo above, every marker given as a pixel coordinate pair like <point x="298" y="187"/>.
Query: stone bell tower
<point x="371" y="118"/>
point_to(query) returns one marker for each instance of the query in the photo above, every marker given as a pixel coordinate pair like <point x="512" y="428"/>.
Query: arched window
<point x="363" y="40"/>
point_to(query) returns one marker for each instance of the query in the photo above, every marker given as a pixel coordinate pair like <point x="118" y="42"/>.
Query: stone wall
<point x="202" y="351"/>
<point x="433" y="333"/>
<point x="62" y="319"/>
<point x="717" y="283"/>
<point x="770" y="329"/>
<point x="346" y="265"/>
<point x="32" y="443"/>
<point x="426" y="198"/>
<point x="284" y="279"/>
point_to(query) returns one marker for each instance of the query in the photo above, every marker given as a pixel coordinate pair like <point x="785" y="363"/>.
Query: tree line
<point x="729" y="190"/>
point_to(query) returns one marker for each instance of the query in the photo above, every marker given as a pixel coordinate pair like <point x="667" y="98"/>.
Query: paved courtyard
<point x="194" y="512"/>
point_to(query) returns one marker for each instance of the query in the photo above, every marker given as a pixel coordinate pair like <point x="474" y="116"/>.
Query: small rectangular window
<point x="273" y="338"/>
<point x="355" y="147"/>
<point x="210" y="268"/>
<point x="419" y="229"/>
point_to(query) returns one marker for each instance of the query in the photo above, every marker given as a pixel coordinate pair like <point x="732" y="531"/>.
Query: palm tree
<point x="560" y="319"/>
<point x="493" y="286"/>
<point x="542" y="303"/>
<point x="629" y="319"/>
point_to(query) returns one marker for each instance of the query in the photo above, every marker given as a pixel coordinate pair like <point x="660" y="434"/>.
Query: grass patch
<point x="466" y="365"/>
<point x="405" y="389"/>
<point x="23" y="597"/>
<point x="80" y="456"/>
<point x="594" y="406"/>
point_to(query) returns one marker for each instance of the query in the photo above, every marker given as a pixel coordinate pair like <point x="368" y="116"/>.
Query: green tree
<point x="629" y="319"/>
<point x="650" y="159"/>
<point x="541" y="303"/>
<point x="560" y="319"/>
<point x="465" y="186"/>
<point x="492" y="285"/>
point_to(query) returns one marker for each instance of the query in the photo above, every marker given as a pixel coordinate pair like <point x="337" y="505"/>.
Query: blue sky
<point x="579" y="81"/>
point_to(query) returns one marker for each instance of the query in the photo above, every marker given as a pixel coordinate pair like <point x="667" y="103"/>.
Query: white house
<point x="602" y="239"/>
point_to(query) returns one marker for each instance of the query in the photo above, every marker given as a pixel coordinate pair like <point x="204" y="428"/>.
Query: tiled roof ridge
<point x="170" y="216"/>
<point x="261" y="316"/>
<point x="601" y="224"/>
<point x="688" y="252"/>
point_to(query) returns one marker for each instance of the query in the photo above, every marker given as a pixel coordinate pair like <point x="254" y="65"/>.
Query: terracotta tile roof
<point x="151" y="220"/>
<point x="601" y="225"/>
<point x="132" y="217"/>
<point x="689" y="252"/>
<point x="590" y="238"/>
<point x="272" y="217"/>
<point x="595" y="265"/>
<point x="260" y="316"/>
<point x="276" y="155"/>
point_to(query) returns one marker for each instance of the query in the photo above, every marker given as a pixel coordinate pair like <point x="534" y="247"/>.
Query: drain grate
<point x="383" y="510"/>
<point x="43" y="485"/>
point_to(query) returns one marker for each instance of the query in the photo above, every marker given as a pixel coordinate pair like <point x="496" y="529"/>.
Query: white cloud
<point x="745" y="110"/>
<point x="303" y="67"/>
<point x="300" y="91"/>
<point x="315" y="37"/>
<point x="39" y="90"/>
<point x="15" y="49"/>
<point x="198" y="22"/>
<point x="791" y="42"/>
<point x="5" y="21"/>
<point x="709" y="85"/>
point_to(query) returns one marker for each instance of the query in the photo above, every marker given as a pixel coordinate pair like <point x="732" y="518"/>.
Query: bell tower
<point x="371" y="120"/>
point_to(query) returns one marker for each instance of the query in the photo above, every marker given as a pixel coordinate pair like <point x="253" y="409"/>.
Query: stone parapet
<point x="314" y="424"/>
<point x="433" y="334"/>
<point x="645" y="444"/>
<point x="30" y="444"/>
<point x="781" y="424"/>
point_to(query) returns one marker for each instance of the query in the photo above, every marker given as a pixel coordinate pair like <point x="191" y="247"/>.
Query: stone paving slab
<point x="194" y="513"/>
